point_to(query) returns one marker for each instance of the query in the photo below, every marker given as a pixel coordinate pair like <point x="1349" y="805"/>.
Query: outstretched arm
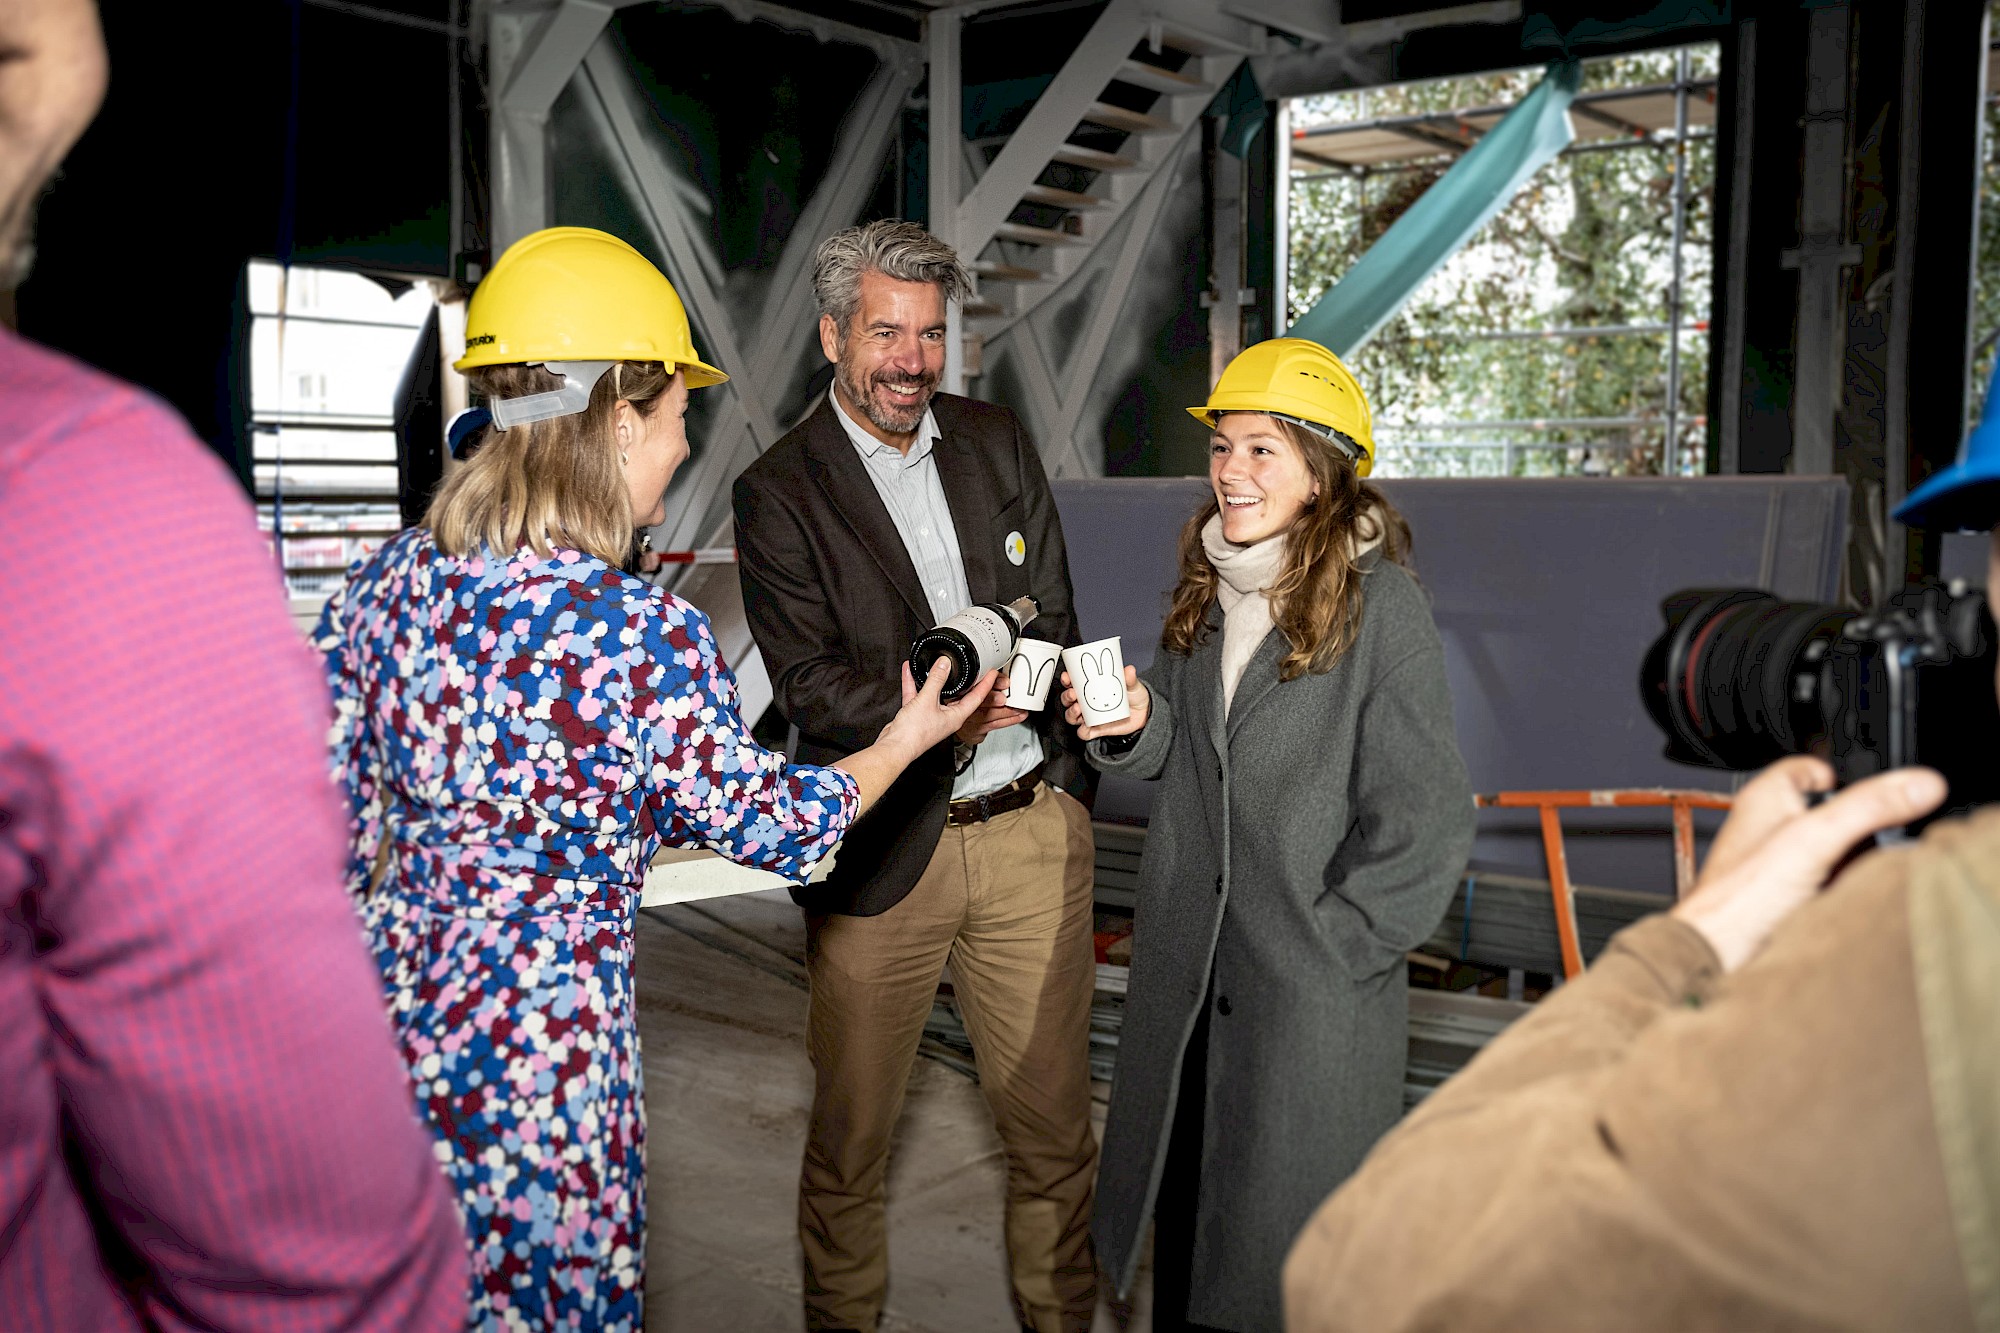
<point x="712" y="784"/>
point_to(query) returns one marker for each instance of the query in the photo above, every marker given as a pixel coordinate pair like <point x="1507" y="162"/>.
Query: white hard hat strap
<point x="578" y="377"/>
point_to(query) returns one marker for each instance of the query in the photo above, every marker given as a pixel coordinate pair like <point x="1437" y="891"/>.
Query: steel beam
<point x="789" y="305"/>
<point x="1726" y="422"/>
<point x="748" y="424"/>
<point x="1045" y="412"/>
<point x="947" y="149"/>
<point x="1375" y="32"/>
<point x="815" y="26"/>
<point x="664" y="200"/>
<point x="1224" y="296"/>
<point x="668" y="204"/>
<point x="1141" y="220"/>
<point x="788" y="312"/>
<point x="1909" y="156"/>
<point x="1281" y="199"/>
<point x="1823" y="250"/>
<point x="532" y="57"/>
<point x="1671" y="460"/>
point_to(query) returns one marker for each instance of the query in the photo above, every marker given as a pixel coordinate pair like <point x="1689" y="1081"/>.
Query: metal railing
<point x="1683" y="803"/>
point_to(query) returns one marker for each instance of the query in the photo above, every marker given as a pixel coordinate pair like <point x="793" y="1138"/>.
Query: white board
<point x="689" y="874"/>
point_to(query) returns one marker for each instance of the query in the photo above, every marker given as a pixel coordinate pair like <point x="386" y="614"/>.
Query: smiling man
<point x="889" y="509"/>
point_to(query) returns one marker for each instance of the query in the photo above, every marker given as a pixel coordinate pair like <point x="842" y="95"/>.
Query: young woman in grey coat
<point x="1312" y="822"/>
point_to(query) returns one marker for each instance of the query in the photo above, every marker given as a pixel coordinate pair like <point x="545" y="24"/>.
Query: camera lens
<point x="1735" y="680"/>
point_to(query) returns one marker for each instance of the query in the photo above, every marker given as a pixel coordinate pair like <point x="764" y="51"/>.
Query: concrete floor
<point x="722" y="1010"/>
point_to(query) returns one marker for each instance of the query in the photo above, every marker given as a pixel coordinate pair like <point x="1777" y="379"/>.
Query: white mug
<point x="1030" y="672"/>
<point x="1097" y="674"/>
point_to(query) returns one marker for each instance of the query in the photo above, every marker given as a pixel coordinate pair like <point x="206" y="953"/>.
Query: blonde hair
<point x="1316" y="601"/>
<point x="547" y="483"/>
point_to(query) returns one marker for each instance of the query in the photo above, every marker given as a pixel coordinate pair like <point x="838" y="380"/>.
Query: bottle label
<point x="990" y="634"/>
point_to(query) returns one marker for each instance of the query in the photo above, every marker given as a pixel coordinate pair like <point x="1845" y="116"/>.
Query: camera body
<point x="1740" y="679"/>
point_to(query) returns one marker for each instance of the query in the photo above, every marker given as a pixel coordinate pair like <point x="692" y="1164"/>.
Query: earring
<point x="624" y="459"/>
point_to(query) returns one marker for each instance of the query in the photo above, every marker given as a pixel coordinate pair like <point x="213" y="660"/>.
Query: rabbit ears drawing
<point x="1028" y="678"/>
<point x="1100" y="681"/>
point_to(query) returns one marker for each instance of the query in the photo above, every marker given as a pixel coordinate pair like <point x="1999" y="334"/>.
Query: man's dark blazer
<point x="834" y="603"/>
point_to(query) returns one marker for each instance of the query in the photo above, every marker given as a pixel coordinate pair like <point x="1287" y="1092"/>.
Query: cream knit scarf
<point x="1243" y="574"/>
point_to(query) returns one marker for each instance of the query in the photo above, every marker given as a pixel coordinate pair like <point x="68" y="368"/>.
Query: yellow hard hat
<point x="575" y="294"/>
<point x="1301" y="382"/>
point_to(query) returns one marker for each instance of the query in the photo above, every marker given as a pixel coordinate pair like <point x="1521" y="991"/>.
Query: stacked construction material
<point x="1507" y="922"/>
<point x="1448" y="1028"/>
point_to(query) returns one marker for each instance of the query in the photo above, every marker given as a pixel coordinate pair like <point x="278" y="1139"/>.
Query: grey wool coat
<point x="1297" y="849"/>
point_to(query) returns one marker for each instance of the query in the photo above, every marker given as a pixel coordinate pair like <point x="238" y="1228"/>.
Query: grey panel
<point x="1547" y="594"/>
<point x="1964" y="557"/>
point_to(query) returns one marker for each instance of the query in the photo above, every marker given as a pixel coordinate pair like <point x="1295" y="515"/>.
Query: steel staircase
<point x="1147" y="77"/>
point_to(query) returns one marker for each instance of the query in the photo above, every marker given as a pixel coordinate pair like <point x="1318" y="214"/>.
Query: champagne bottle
<point x="977" y="640"/>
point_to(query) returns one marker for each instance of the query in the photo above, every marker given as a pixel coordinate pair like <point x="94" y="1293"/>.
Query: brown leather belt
<point x="1016" y="795"/>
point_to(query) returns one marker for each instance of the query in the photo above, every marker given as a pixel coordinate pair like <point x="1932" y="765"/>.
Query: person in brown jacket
<point x="1771" y="1107"/>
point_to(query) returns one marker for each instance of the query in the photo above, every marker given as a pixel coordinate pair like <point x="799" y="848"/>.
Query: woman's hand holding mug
<point x="1136" y="698"/>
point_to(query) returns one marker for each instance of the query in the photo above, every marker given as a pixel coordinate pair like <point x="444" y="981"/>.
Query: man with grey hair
<point x="889" y="509"/>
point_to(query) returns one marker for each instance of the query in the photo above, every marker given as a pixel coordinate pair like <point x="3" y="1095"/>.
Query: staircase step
<point x="1055" y="198"/>
<point x="979" y="308"/>
<point x="1132" y="122"/>
<point x="1198" y="41"/>
<point x="1092" y="159"/>
<point x="1027" y="235"/>
<point x="1142" y="75"/>
<point x="993" y="271"/>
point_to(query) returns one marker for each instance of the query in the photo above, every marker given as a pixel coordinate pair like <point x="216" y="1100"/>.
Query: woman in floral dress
<point x="519" y="727"/>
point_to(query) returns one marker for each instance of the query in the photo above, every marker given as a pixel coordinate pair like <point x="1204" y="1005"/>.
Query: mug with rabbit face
<point x="1097" y="672"/>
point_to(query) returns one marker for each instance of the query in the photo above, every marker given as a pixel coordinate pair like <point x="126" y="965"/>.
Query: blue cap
<point x="1965" y="497"/>
<point x="464" y="431"/>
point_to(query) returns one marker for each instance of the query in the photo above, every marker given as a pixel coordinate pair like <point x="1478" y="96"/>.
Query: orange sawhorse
<point x="1683" y="804"/>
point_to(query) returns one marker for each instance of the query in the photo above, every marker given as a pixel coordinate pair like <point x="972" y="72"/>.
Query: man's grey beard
<point x="900" y="423"/>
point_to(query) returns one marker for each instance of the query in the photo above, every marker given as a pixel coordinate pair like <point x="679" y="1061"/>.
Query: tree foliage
<point x="1588" y="243"/>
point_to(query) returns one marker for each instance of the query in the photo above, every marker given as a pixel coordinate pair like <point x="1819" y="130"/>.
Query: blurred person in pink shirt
<point x="203" y="1120"/>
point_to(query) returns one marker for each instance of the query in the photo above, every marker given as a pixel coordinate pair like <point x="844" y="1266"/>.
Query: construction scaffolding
<point x="1665" y="118"/>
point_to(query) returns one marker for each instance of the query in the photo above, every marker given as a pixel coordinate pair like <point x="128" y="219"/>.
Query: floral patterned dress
<point x="516" y="738"/>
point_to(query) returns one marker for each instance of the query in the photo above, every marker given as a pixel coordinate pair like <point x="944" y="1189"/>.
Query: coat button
<point x="1222" y="1005"/>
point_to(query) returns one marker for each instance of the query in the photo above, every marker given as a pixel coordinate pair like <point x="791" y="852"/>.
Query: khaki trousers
<point x="1008" y="902"/>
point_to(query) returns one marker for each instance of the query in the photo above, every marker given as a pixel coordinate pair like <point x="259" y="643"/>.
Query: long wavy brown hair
<point x="547" y="483"/>
<point x="1316" y="600"/>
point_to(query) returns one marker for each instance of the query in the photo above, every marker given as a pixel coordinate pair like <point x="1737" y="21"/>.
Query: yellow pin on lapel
<point x="1017" y="550"/>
